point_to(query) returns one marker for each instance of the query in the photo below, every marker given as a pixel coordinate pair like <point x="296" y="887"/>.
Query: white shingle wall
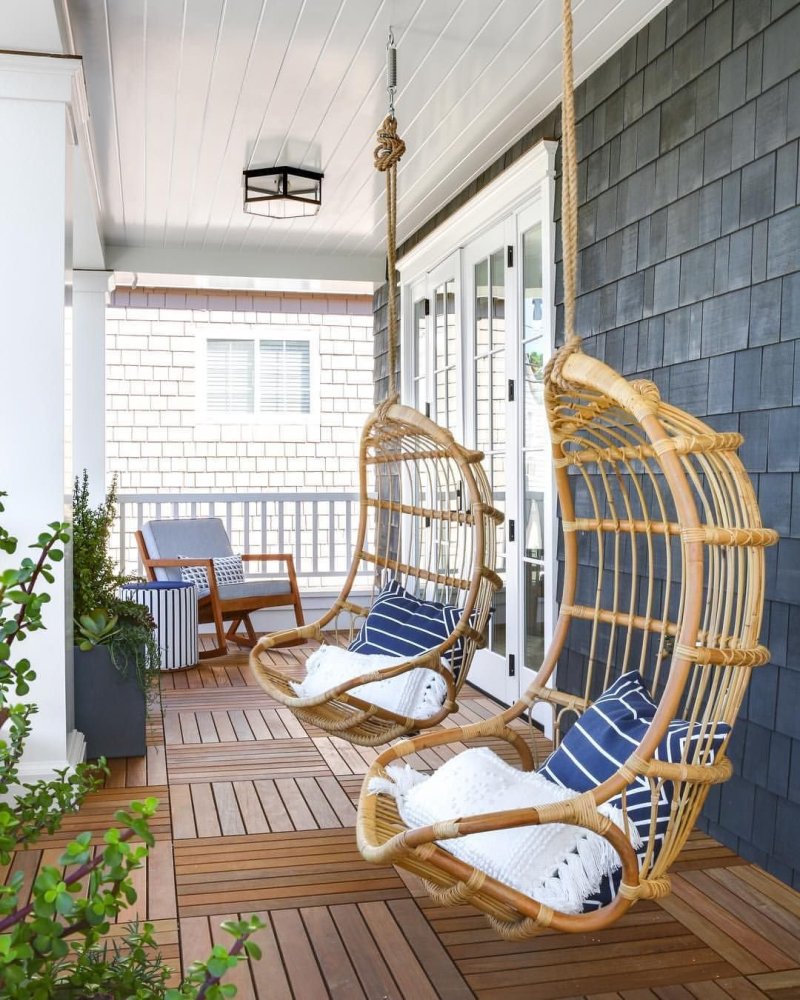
<point x="158" y="438"/>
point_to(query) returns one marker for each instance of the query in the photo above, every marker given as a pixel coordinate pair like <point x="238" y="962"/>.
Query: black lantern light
<point x="282" y="192"/>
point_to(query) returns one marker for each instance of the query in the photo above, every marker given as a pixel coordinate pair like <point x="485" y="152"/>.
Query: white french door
<point x="478" y="328"/>
<point x="434" y="380"/>
<point x="537" y="537"/>
<point x="489" y="310"/>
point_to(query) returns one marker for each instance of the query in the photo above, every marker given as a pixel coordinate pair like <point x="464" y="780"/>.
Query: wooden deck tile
<point x="97" y="814"/>
<point x="257" y="814"/>
<point x="277" y="871"/>
<point x="238" y="762"/>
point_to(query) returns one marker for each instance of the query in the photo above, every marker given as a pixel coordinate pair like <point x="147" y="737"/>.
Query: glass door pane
<point x="535" y="448"/>
<point x="420" y="349"/>
<point x="489" y="275"/>
<point x="445" y="351"/>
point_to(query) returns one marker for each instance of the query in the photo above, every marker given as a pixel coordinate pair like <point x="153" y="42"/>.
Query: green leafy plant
<point x="102" y="617"/>
<point x="96" y="627"/>
<point x="52" y="939"/>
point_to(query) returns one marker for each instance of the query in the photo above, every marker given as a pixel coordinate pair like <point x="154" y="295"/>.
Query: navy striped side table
<point x="173" y="605"/>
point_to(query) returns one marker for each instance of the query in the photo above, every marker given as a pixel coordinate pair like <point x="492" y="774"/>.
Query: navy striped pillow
<point x="603" y="739"/>
<point x="401" y="625"/>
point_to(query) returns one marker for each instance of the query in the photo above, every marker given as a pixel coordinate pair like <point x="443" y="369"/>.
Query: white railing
<point x="318" y="529"/>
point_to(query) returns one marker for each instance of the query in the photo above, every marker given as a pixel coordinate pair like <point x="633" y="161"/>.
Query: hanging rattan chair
<point x="426" y="521"/>
<point x="662" y="579"/>
<point x="663" y="574"/>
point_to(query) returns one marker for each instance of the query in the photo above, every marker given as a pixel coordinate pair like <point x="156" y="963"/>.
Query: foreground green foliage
<point x="52" y="946"/>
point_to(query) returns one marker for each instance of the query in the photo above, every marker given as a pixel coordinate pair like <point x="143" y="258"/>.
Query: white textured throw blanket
<point x="556" y="864"/>
<point x="418" y="693"/>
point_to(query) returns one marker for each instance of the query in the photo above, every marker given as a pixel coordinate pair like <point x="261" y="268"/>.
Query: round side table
<point x="173" y="605"/>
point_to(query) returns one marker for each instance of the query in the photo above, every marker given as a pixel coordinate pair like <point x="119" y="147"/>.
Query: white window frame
<point x="255" y="334"/>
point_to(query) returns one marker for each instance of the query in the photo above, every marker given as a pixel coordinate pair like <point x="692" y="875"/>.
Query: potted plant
<point x="116" y="654"/>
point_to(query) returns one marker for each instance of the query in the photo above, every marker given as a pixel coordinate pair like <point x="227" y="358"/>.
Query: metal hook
<point x="391" y="70"/>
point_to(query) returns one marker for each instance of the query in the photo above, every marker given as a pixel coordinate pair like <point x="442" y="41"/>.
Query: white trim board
<point x="499" y="198"/>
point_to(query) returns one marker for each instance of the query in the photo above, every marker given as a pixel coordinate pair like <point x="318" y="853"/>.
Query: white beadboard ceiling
<point x="184" y="94"/>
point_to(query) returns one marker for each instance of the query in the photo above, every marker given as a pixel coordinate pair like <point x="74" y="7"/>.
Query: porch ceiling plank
<point x="184" y="96"/>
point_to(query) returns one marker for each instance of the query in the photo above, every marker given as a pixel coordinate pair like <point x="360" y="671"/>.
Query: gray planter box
<point x="110" y="710"/>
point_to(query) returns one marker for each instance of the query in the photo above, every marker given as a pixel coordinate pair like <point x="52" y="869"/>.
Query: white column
<point x="35" y="251"/>
<point x="89" y="294"/>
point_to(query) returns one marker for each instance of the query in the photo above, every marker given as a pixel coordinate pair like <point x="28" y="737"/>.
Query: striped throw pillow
<point x="401" y="625"/>
<point x="227" y="569"/>
<point x="604" y="738"/>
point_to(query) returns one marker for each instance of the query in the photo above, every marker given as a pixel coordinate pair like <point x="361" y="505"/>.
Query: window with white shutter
<point x="246" y="377"/>
<point x="284" y="378"/>
<point x="230" y="376"/>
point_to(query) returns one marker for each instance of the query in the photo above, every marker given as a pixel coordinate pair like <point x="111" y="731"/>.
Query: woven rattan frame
<point x="663" y="573"/>
<point x="426" y="520"/>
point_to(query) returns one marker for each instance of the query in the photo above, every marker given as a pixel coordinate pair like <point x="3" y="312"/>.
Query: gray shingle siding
<point x="690" y="272"/>
<point x="722" y="243"/>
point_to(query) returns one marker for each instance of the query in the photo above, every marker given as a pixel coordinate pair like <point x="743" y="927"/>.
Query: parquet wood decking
<point x="256" y="815"/>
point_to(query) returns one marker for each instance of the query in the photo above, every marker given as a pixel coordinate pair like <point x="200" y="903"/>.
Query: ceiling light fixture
<point x="282" y="192"/>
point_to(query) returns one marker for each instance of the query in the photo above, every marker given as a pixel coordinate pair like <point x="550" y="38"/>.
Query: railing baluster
<point x="315" y="537"/>
<point x="332" y="537"/>
<point x="273" y="529"/>
<point x="298" y="534"/>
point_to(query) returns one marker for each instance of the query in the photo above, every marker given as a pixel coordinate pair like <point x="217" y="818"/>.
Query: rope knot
<point x="390" y="146"/>
<point x="552" y="371"/>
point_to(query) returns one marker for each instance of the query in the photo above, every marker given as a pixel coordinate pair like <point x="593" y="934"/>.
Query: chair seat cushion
<point x="555" y="863"/>
<point x="606" y="735"/>
<point x="227" y="570"/>
<point x="401" y="625"/>
<point x="253" y="589"/>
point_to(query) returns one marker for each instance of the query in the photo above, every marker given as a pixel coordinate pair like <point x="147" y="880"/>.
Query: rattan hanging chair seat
<point x="662" y="579"/>
<point x="427" y="525"/>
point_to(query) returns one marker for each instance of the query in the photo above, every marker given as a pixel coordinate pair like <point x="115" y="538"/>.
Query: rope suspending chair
<point x="426" y="526"/>
<point x="663" y="589"/>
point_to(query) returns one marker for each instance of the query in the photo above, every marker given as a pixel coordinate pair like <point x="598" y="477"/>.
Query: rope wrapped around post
<point x="387" y="155"/>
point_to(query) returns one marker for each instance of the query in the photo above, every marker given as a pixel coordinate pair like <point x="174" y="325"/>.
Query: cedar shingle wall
<point x="690" y="274"/>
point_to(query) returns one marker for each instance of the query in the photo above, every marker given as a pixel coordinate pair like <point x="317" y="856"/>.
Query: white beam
<point x="33" y="26"/>
<point x="35" y="171"/>
<point x="246" y="264"/>
<point x="89" y="294"/>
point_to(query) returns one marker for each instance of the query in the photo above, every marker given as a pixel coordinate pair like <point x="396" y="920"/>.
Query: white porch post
<point x="89" y="293"/>
<point x="35" y="253"/>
